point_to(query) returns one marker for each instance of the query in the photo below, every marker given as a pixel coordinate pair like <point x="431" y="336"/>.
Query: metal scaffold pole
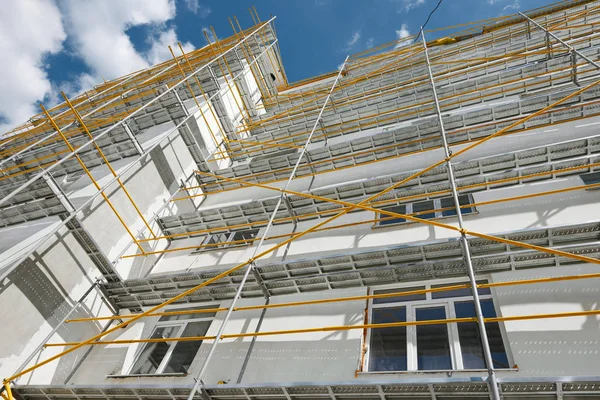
<point x="250" y="267"/>
<point x="487" y="353"/>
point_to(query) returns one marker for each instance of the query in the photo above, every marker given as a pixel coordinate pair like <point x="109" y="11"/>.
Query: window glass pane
<point x="184" y="352"/>
<point x="463" y="199"/>
<point x="189" y="315"/>
<point x="153" y="353"/>
<point x="590" y="179"/>
<point x="470" y="342"/>
<point x="412" y="297"/>
<point x="244" y="237"/>
<point x="433" y="348"/>
<point x="388" y="345"/>
<point x="424" y="206"/>
<point x="386" y="219"/>
<point x="458" y="292"/>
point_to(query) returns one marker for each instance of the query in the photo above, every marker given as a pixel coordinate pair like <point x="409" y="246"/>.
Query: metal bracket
<point x="133" y="139"/>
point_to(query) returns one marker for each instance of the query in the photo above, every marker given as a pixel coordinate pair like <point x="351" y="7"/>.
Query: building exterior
<point x="219" y="233"/>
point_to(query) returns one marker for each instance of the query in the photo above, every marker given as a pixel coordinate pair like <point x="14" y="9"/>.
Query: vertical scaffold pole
<point x="487" y="353"/>
<point x="574" y="52"/>
<point x="250" y="267"/>
<point x="56" y="328"/>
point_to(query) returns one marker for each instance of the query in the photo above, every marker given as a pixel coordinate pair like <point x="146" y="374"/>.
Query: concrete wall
<point x="560" y="209"/>
<point x="41" y="290"/>
<point x="550" y="347"/>
<point x="35" y="298"/>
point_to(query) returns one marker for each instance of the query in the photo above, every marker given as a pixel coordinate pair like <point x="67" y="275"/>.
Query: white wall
<point x="560" y="209"/>
<point x="550" y="347"/>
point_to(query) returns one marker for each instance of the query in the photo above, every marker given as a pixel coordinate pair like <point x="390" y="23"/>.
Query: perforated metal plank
<point x="394" y="264"/>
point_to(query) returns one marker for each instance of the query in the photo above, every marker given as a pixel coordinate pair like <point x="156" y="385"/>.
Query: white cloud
<point x="209" y="33"/>
<point x="407" y="5"/>
<point x="515" y="5"/>
<point x="192" y="5"/>
<point x="204" y="12"/>
<point x="159" y="49"/>
<point x="98" y="31"/>
<point x="370" y="43"/>
<point x="29" y="30"/>
<point x="195" y="7"/>
<point x="355" y="38"/>
<point x="401" y="34"/>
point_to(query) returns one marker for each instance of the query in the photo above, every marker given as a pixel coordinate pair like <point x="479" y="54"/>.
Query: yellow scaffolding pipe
<point x="187" y="82"/>
<point x="209" y="281"/>
<point x="225" y="76"/>
<point x="89" y="174"/>
<point x="391" y="215"/>
<point x="351" y="298"/>
<point x="401" y="144"/>
<point x="245" y="106"/>
<point x="338" y="328"/>
<point x="207" y="100"/>
<point x="247" y="58"/>
<point x="112" y="171"/>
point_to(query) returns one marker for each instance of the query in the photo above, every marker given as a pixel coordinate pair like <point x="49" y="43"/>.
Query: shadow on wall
<point x="302" y="360"/>
<point x="38" y="301"/>
<point x="553" y="347"/>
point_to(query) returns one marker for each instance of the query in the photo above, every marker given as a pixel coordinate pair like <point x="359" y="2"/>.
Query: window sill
<point x="449" y="372"/>
<point x="170" y="375"/>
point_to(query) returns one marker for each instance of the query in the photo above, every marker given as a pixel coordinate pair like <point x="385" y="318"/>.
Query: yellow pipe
<point x="8" y="390"/>
<point x="340" y="328"/>
<point x="112" y="171"/>
<point x="351" y="298"/>
<point x="215" y="278"/>
<point x="442" y="225"/>
<point x="245" y="106"/>
<point x="247" y="58"/>
<point x="207" y="100"/>
<point x="224" y="76"/>
<point x="421" y="140"/>
<point x="383" y="202"/>
<point x="89" y="174"/>
<point x="187" y="82"/>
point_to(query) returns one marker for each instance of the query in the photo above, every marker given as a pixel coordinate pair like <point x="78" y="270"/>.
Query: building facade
<point x="206" y="229"/>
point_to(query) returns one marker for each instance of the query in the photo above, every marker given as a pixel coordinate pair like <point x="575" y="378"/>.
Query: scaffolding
<point x="551" y="52"/>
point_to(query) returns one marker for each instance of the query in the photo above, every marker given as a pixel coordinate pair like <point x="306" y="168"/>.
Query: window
<point x="173" y="357"/>
<point x="433" y="346"/>
<point x="445" y="208"/>
<point x="591" y="179"/>
<point x="227" y="240"/>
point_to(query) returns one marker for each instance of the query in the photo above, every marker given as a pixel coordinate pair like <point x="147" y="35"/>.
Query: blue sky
<point x="54" y="45"/>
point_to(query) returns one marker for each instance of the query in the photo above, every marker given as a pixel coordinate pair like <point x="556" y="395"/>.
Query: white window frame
<point x="182" y="324"/>
<point x="411" y="330"/>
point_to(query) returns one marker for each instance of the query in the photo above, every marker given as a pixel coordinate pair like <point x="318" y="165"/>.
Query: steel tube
<point x="113" y="180"/>
<point x="56" y="328"/>
<point x="571" y="48"/>
<point x="251" y="265"/>
<point x="91" y="112"/>
<point x="87" y="144"/>
<point x="339" y="328"/>
<point x="493" y="382"/>
<point x="352" y="298"/>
